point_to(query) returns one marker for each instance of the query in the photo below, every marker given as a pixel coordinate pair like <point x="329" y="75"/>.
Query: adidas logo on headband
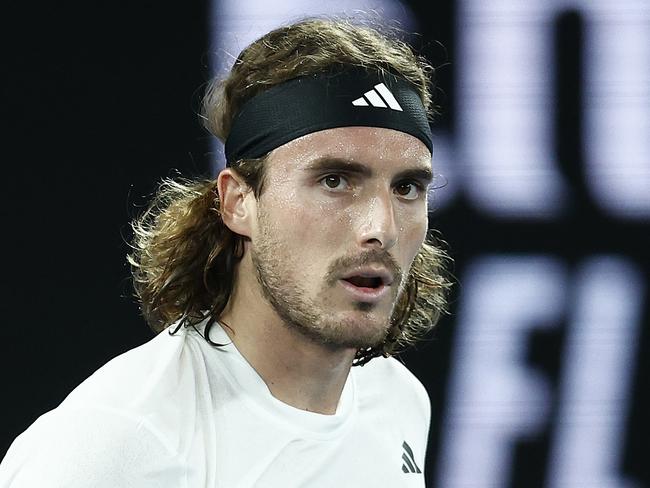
<point x="378" y="97"/>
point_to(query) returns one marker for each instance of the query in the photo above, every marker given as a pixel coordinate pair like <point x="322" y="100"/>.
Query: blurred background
<point x="538" y="377"/>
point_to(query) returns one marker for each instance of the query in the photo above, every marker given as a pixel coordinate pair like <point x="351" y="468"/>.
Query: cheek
<point x="413" y="231"/>
<point x="318" y="219"/>
<point x="305" y="226"/>
<point x="418" y="226"/>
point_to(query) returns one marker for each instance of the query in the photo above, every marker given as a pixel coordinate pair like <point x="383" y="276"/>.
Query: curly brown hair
<point x="184" y="256"/>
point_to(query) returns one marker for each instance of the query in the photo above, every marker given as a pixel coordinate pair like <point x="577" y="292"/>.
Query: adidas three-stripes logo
<point x="409" y="465"/>
<point x="380" y="97"/>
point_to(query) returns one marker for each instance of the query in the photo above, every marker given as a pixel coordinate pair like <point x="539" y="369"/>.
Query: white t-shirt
<point x="178" y="412"/>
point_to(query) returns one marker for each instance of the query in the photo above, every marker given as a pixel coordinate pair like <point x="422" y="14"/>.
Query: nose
<point x="377" y="227"/>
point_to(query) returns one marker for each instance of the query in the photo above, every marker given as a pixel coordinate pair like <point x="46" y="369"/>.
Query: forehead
<point x="385" y="150"/>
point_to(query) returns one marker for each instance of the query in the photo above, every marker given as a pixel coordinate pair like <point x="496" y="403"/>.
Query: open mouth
<point x="365" y="282"/>
<point x="370" y="289"/>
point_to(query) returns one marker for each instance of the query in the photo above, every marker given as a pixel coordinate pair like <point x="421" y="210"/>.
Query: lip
<point x="363" y="294"/>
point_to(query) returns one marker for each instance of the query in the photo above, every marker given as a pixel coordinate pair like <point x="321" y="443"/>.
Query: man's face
<point x="342" y="216"/>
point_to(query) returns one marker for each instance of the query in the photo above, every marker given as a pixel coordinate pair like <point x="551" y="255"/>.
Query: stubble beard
<point x="300" y="313"/>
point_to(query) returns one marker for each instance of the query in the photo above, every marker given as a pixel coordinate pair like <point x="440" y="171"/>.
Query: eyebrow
<point x="421" y="174"/>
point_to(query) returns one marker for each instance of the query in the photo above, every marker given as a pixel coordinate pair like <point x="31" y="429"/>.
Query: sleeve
<point x="90" y="447"/>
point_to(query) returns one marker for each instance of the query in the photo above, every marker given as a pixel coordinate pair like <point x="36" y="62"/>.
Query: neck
<point x="297" y="370"/>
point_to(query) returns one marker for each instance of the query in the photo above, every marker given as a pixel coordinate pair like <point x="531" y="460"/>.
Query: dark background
<point x="99" y="102"/>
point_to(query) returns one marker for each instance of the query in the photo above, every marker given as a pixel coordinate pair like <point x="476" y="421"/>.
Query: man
<point x="306" y="256"/>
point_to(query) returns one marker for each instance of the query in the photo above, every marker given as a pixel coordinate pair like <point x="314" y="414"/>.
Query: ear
<point x="236" y="202"/>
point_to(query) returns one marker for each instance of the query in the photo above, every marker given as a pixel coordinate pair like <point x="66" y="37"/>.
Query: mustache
<point x="374" y="256"/>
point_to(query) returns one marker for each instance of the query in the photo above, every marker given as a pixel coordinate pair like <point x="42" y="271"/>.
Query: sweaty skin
<point x="291" y="318"/>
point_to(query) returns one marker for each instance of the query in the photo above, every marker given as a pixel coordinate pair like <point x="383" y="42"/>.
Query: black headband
<point x="354" y="97"/>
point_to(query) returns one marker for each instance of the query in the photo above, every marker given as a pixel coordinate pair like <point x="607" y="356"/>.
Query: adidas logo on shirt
<point x="409" y="465"/>
<point x="380" y="97"/>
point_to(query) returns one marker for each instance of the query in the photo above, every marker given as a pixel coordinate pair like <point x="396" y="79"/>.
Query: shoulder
<point x="387" y="379"/>
<point x="125" y="377"/>
<point x="122" y="422"/>
<point x="157" y="381"/>
<point x="79" y="447"/>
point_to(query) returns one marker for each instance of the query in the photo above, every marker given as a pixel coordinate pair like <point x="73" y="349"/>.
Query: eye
<point x="409" y="190"/>
<point x="334" y="182"/>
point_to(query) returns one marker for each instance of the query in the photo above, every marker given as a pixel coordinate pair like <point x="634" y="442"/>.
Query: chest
<point x="247" y="451"/>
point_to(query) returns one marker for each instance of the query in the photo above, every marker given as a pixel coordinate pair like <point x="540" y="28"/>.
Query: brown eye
<point x="408" y="190"/>
<point x="334" y="182"/>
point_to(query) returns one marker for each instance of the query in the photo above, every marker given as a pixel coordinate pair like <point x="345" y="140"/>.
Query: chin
<point x="360" y="330"/>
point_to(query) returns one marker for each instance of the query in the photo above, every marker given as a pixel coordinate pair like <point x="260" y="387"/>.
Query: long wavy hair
<point x="184" y="257"/>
